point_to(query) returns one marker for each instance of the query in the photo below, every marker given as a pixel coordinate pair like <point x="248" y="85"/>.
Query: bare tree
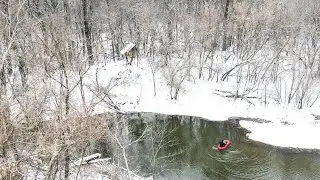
<point x="176" y="73"/>
<point x="87" y="11"/>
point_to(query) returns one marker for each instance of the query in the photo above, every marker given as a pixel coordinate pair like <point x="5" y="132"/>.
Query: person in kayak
<point x="222" y="143"/>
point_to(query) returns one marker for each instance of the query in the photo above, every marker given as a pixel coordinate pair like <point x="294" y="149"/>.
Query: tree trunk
<point x="87" y="29"/>
<point x="67" y="164"/>
<point x="23" y="74"/>
<point x="67" y="12"/>
<point x="225" y="41"/>
<point x="113" y="49"/>
<point x="4" y="7"/>
<point x="3" y="83"/>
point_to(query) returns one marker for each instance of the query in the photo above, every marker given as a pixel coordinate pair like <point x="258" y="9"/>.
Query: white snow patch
<point x="300" y="135"/>
<point x="290" y="127"/>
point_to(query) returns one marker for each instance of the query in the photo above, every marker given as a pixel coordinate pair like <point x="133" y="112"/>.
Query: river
<point x="183" y="147"/>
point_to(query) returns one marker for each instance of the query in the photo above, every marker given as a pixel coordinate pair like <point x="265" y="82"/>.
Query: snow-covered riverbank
<point x="289" y="126"/>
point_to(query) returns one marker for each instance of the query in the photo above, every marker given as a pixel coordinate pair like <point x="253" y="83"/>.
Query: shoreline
<point x="236" y="122"/>
<point x="287" y="127"/>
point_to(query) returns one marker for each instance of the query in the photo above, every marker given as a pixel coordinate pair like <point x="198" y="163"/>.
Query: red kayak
<point x="225" y="146"/>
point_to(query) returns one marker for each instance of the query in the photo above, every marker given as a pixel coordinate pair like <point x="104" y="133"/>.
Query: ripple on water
<point x="242" y="164"/>
<point x="243" y="160"/>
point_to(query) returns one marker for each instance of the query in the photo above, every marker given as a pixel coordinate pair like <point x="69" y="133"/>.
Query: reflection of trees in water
<point x="296" y="165"/>
<point x="176" y="144"/>
<point x="198" y="136"/>
<point x="155" y="153"/>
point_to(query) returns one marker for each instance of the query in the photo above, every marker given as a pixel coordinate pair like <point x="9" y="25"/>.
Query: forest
<point x="47" y="47"/>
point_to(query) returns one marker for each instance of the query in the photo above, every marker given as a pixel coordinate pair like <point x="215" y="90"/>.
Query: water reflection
<point x="187" y="150"/>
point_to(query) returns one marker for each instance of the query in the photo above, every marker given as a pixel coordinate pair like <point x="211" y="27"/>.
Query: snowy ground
<point x="94" y="171"/>
<point x="132" y="89"/>
<point x="289" y="126"/>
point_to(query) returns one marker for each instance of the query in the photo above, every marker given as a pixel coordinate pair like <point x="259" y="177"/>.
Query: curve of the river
<point x="187" y="150"/>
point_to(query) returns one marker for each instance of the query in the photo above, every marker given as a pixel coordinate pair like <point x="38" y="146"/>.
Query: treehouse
<point x="129" y="51"/>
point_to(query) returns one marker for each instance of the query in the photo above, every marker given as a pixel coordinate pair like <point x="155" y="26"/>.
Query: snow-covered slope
<point x="289" y="126"/>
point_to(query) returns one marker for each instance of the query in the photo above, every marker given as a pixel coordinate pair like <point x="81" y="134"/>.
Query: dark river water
<point x="182" y="147"/>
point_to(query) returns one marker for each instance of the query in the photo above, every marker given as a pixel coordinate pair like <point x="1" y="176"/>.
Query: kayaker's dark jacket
<point x="222" y="144"/>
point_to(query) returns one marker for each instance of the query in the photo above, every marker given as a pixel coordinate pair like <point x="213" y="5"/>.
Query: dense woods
<point x="254" y="44"/>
